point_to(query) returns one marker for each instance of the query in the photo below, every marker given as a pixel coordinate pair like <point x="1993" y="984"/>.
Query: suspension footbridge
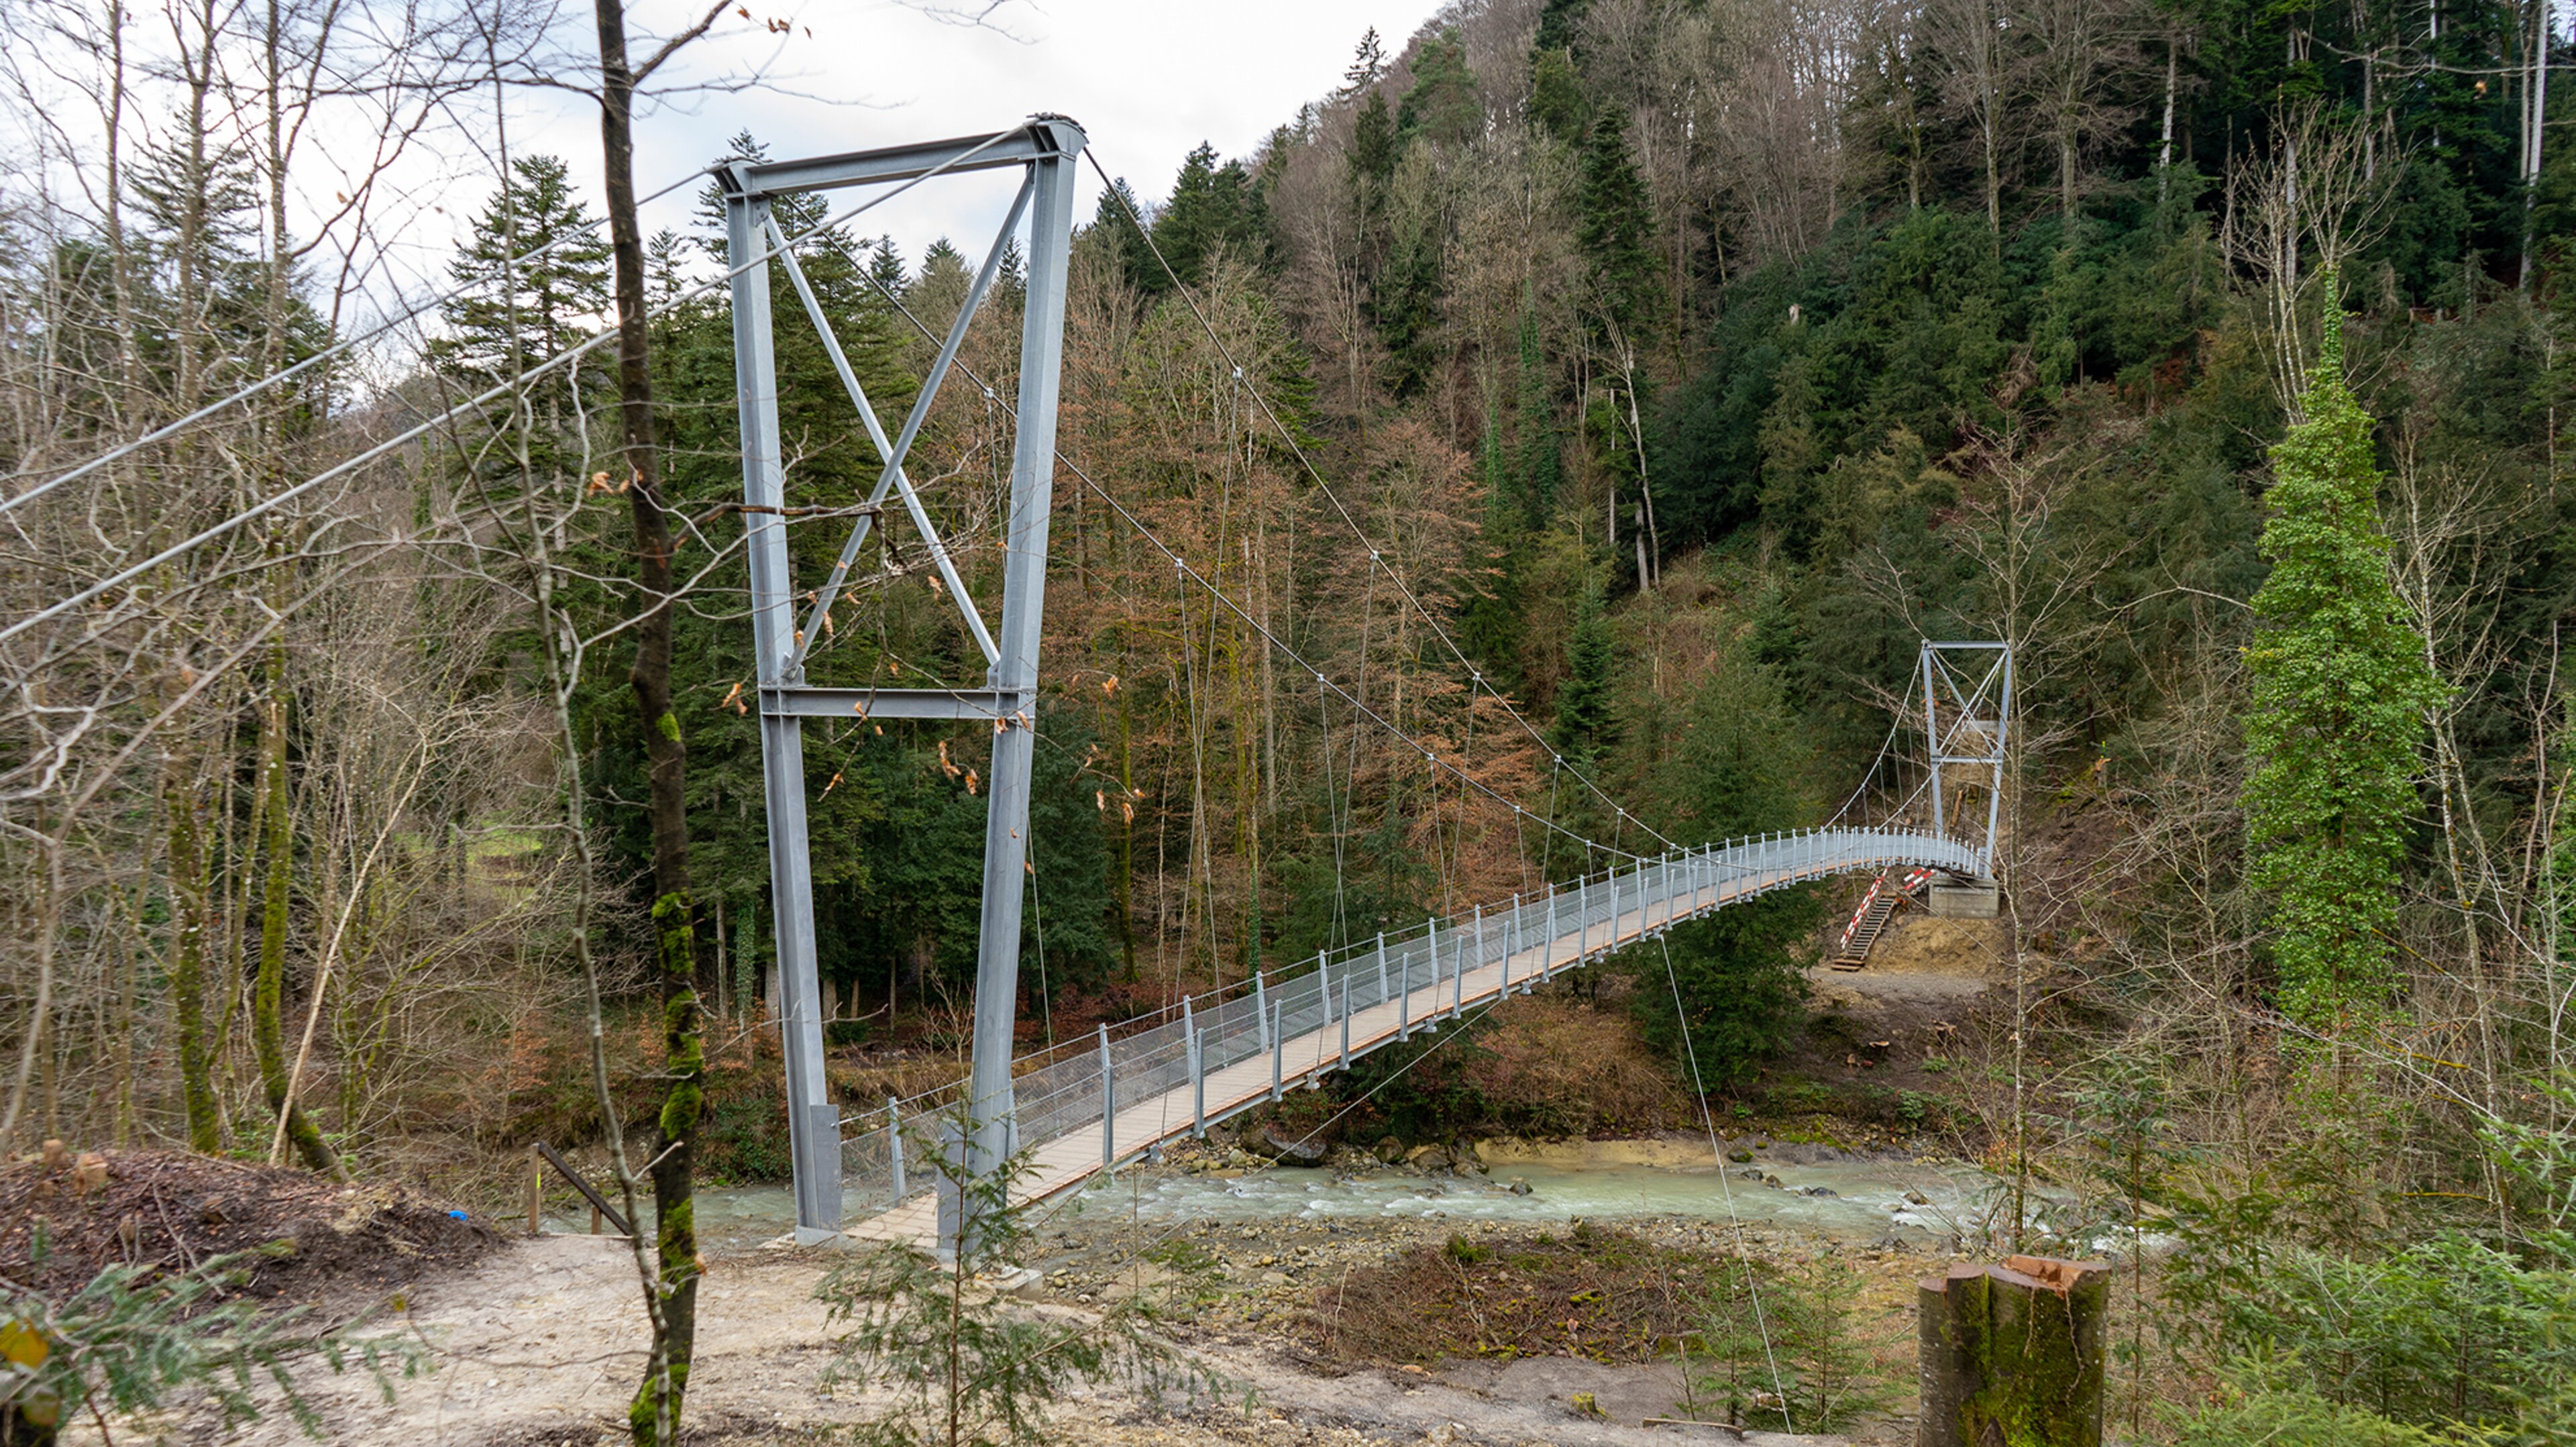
<point x="1046" y="1122"/>
<point x="1081" y="1109"/>
<point x="1074" y="1109"/>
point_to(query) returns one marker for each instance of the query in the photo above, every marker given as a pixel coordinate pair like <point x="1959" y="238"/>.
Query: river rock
<point x="1144" y="1276"/>
<point x="1271" y="1143"/>
<point x="1463" y="1155"/>
<point x="1429" y="1158"/>
<point x="1390" y="1150"/>
<point x="1520" y="1187"/>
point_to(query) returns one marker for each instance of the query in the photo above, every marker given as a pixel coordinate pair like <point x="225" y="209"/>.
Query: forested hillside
<point x="1608" y="395"/>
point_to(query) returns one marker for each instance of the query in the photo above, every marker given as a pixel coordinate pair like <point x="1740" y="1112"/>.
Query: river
<point x="1840" y="1199"/>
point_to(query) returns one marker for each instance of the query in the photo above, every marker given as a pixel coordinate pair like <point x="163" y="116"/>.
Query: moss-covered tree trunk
<point x="654" y="1417"/>
<point x="268" y="989"/>
<point x="188" y="931"/>
<point x="2011" y="1355"/>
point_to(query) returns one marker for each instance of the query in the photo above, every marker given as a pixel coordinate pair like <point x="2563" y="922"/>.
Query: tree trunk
<point x="268" y="991"/>
<point x="2164" y="144"/>
<point x="2013" y="1354"/>
<point x="2535" y="119"/>
<point x="189" y="927"/>
<point x="655" y="1415"/>
<point x="2066" y="172"/>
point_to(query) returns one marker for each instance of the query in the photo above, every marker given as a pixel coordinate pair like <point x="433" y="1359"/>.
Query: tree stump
<point x="2012" y="1354"/>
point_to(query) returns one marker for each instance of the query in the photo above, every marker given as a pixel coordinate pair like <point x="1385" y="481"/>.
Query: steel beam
<point x="1053" y="143"/>
<point x="805" y="701"/>
<point x="813" y="1123"/>
<point x="1046" y="148"/>
<point x="1044" y="138"/>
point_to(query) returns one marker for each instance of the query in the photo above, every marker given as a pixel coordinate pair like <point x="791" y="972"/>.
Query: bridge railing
<point x="1077" y="1084"/>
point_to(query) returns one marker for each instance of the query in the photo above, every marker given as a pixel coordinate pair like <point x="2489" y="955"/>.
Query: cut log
<point x="2011" y="1355"/>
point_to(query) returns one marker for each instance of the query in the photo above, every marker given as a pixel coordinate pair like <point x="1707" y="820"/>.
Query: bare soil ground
<point x="344" y="1246"/>
<point x="539" y="1343"/>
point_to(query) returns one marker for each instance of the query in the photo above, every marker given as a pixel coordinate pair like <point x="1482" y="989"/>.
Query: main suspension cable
<point x="414" y="433"/>
<point x="1182" y="568"/>
<point x="174" y="428"/>
<point x="1475" y="674"/>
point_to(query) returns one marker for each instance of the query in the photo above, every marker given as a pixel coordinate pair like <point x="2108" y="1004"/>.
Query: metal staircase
<point x="1886" y="893"/>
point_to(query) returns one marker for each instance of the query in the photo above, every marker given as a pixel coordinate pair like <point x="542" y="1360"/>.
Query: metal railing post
<point x="1108" y="1104"/>
<point x="1582" y="918"/>
<point x="1346" y="1016"/>
<point x="1458" y="997"/>
<point x="1511" y="936"/>
<point x="1431" y="934"/>
<point x="1278" y="1049"/>
<point x="1198" y="1083"/>
<point x="1403" y="994"/>
<point x="894" y="1145"/>
<point x="1381" y="967"/>
<point x="1261" y="1007"/>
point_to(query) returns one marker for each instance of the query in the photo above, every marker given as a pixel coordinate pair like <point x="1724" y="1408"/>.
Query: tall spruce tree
<point x="513" y="310"/>
<point x="2340" y="689"/>
<point x="1616" y="228"/>
<point x="1583" y="717"/>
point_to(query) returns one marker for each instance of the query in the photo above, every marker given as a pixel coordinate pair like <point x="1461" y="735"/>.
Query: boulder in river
<point x="1271" y="1143"/>
<point x="1390" y="1150"/>
<point x="1429" y="1158"/>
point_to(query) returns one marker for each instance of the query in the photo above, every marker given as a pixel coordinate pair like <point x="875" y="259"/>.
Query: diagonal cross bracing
<point x="894" y="453"/>
<point x="1169" y="1074"/>
<point x="1995" y="686"/>
<point x="1045" y="148"/>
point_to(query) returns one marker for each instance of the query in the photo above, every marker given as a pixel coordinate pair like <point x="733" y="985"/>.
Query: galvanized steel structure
<point x="1254" y="1039"/>
<point x="1044" y="149"/>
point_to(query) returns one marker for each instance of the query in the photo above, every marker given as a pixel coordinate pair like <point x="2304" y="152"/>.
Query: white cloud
<point x="1148" y="80"/>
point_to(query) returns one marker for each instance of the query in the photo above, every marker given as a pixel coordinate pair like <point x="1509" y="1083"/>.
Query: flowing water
<point x="1846" y="1200"/>
<point x="1855" y="1201"/>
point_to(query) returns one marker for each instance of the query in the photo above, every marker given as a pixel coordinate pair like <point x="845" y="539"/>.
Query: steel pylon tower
<point x="1967" y="713"/>
<point x="1044" y="149"/>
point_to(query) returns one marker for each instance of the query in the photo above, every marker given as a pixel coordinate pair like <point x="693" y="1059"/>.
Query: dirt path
<point x="537" y="1344"/>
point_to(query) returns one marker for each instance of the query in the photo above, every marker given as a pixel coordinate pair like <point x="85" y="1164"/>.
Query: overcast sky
<point x="1148" y="80"/>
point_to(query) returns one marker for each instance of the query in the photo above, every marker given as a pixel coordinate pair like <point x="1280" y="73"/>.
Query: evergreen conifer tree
<point x="1443" y="104"/>
<point x="552" y="300"/>
<point x="1368" y="62"/>
<point x="513" y="310"/>
<point x="1373" y="149"/>
<point x="1617" y="228"/>
<point x="1213" y="210"/>
<point x="1559" y="22"/>
<point x="1115" y="222"/>
<point x="1583" y="700"/>
<point x="2339" y="693"/>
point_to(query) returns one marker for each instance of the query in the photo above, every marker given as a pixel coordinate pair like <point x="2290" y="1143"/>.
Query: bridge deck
<point x="1065" y="1162"/>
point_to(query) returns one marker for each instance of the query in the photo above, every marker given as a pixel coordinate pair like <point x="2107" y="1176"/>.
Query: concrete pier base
<point x="1965" y="899"/>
